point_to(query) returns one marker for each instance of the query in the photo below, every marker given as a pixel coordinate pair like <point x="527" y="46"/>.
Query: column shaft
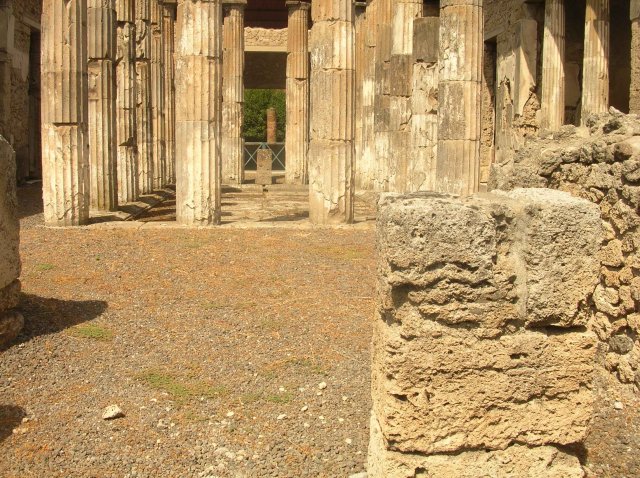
<point x="595" y="70"/>
<point x="143" y="92"/>
<point x="233" y="92"/>
<point x="297" y="136"/>
<point x="460" y="59"/>
<point x="168" y="34"/>
<point x="553" y="76"/>
<point x="127" y="155"/>
<point x="65" y="154"/>
<point x="157" y="96"/>
<point x="382" y="106"/>
<point x="199" y="111"/>
<point x="6" y="11"/>
<point x="332" y="104"/>
<point x="101" y="33"/>
<point x="634" y="93"/>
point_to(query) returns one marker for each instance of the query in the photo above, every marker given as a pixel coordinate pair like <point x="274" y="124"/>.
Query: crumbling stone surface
<point x="481" y="339"/>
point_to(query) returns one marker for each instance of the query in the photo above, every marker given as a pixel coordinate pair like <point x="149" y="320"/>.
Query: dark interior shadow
<point x="44" y="316"/>
<point x="10" y="417"/>
<point x="30" y="200"/>
<point x="298" y="216"/>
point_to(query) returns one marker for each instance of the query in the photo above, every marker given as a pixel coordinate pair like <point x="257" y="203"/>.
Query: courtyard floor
<point x="235" y="351"/>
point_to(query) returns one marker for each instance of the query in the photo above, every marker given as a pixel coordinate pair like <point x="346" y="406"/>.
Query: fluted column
<point x="101" y="33"/>
<point x="360" y="53"/>
<point x="168" y="34"/>
<point x="553" y="76"/>
<point x="233" y="91"/>
<point x="143" y="91"/>
<point x="404" y="12"/>
<point x="332" y="104"/>
<point x="126" y="124"/>
<point x="634" y="17"/>
<point x="382" y="107"/>
<point x="198" y="112"/>
<point x="460" y="61"/>
<point x="65" y="154"/>
<point x="595" y="70"/>
<point x="157" y="96"/>
<point x="297" y="136"/>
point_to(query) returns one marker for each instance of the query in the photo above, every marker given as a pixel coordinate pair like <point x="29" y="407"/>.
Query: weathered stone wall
<point x="634" y="100"/>
<point x="10" y="321"/>
<point x="264" y="38"/>
<point x="601" y="164"/>
<point x="482" y="361"/>
<point x="22" y="18"/>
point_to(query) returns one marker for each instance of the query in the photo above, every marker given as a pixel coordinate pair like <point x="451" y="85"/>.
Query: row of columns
<point x="595" y="71"/>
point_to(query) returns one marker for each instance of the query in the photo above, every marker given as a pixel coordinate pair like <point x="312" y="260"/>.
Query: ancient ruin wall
<point x="482" y="358"/>
<point x="265" y="37"/>
<point x="602" y="165"/>
<point x="10" y="321"/>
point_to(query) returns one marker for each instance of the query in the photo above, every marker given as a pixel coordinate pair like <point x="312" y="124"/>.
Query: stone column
<point x="6" y="11"/>
<point x="595" y="70"/>
<point x="459" y="107"/>
<point x="168" y="34"/>
<point x="365" y="160"/>
<point x="401" y="88"/>
<point x="297" y="136"/>
<point x="634" y="97"/>
<point x="382" y="107"/>
<point x="360" y="52"/>
<point x="553" y="80"/>
<point x="233" y="91"/>
<point x="127" y="155"/>
<point x="65" y="153"/>
<point x="143" y="91"/>
<point x="157" y="96"/>
<point x="272" y="126"/>
<point x="199" y="112"/>
<point x="332" y="102"/>
<point x="101" y="32"/>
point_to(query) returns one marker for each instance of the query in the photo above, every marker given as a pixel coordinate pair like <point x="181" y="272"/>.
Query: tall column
<point x="127" y="155"/>
<point x="157" y="96"/>
<point x="297" y="136"/>
<point x="65" y="153"/>
<point x="101" y="32"/>
<point x="459" y="99"/>
<point x="382" y="92"/>
<point x="199" y="112"/>
<point x="332" y="103"/>
<point x="360" y="61"/>
<point x="595" y="70"/>
<point x="233" y="91"/>
<point x="634" y="93"/>
<point x="143" y="92"/>
<point x="168" y="34"/>
<point x="6" y="11"/>
<point x="553" y="86"/>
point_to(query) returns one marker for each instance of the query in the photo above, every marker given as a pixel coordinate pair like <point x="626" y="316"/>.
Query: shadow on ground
<point x="10" y="417"/>
<point x="44" y="316"/>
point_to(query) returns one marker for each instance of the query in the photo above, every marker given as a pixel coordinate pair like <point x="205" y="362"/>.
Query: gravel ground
<point x="232" y="352"/>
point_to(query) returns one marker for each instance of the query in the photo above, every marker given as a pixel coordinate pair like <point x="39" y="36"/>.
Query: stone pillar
<point x="365" y="161"/>
<point x="168" y="35"/>
<point x="459" y="98"/>
<point x="143" y="90"/>
<point x="6" y="11"/>
<point x="634" y="90"/>
<point x="382" y="102"/>
<point x="297" y="136"/>
<point x="553" y="77"/>
<point x="157" y="96"/>
<point x="198" y="112"/>
<point x="595" y="70"/>
<point x="101" y="32"/>
<point x="332" y="131"/>
<point x="467" y="382"/>
<point x="11" y="321"/>
<point x="360" y="53"/>
<point x="272" y="126"/>
<point x="233" y="92"/>
<point x="126" y="124"/>
<point x="405" y="12"/>
<point x="65" y="146"/>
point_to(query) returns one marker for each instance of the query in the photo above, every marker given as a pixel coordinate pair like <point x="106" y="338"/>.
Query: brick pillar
<point x="553" y="78"/>
<point x="65" y="144"/>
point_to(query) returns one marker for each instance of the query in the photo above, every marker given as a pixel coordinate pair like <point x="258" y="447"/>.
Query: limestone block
<point x="9" y="226"/>
<point x="426" y="33"/>
<point x="401" y="72"/>
<point x="264" y="166"/>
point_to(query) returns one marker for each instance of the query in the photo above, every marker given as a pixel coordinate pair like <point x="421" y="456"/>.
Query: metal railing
<point x="251" y="153"/>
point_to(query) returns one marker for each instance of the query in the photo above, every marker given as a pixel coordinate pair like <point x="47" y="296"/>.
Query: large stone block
<point x="9" y="226"/>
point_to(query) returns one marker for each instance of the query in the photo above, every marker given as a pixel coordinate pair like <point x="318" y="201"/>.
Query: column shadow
<point x="10" y="417"/>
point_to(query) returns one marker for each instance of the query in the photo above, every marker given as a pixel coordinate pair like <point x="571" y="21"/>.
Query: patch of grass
<point x="45" y="267"/>
<point x="178" y="388"/>
<point x="213" y="306"/>
<point x="342" y="253"/>
<point x="280" y="398"/>
<point x="91" y="331"/>
<point x="250" y="397"/>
